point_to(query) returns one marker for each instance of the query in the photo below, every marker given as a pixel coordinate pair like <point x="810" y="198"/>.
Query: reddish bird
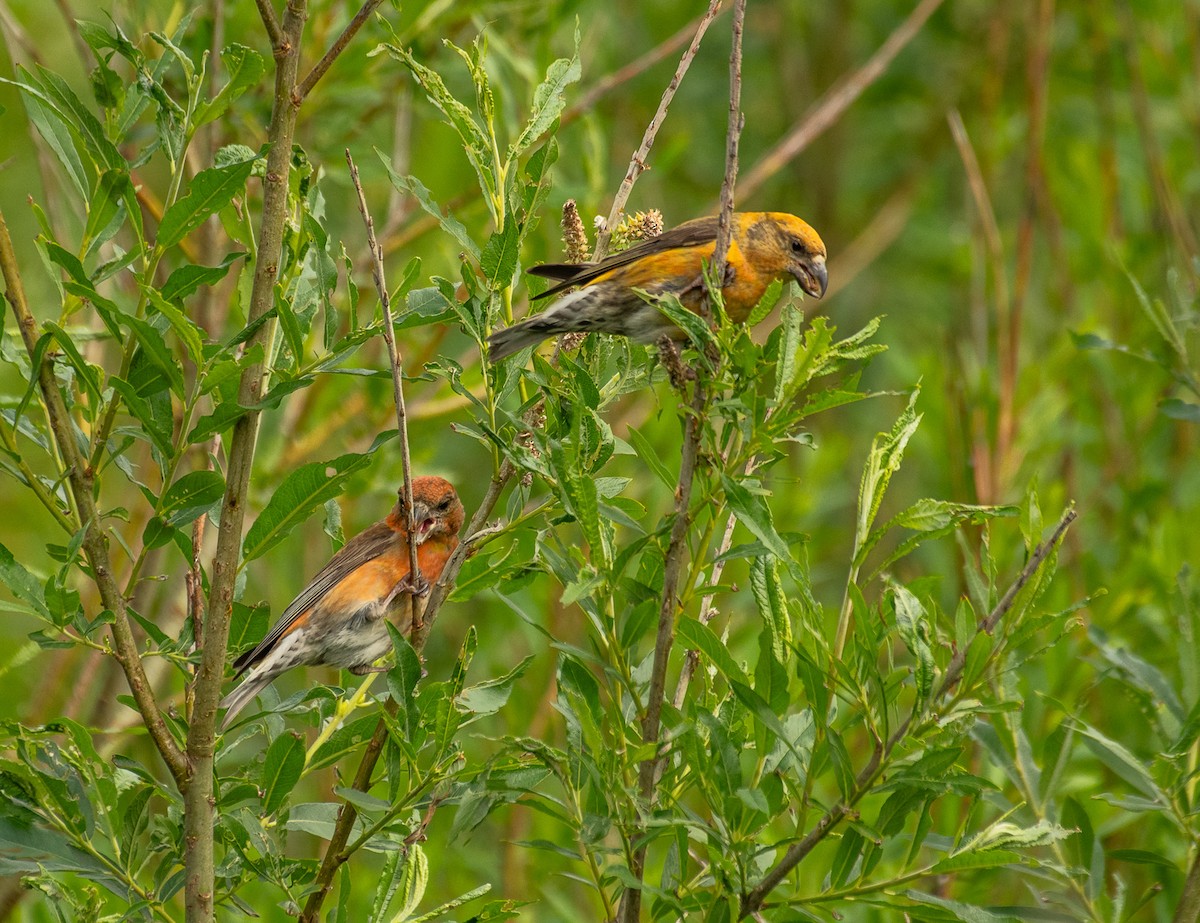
<point x="765" y="246"/>
<point x="338" y="619"/>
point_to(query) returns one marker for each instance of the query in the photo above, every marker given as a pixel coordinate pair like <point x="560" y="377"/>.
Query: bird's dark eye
<point x="444" y="505"/>
<point x="797" y="246"/>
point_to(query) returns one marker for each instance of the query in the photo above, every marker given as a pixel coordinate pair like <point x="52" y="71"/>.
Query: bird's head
<point x="801" y="251"/>
<point x="438" y="511"/>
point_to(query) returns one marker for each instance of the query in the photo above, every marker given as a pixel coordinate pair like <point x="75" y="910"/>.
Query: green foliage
<point x="880" y="701"/>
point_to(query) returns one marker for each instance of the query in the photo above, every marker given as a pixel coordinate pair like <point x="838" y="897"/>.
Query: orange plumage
<point x="765" y="246"/>
<point x="339" y="617"/>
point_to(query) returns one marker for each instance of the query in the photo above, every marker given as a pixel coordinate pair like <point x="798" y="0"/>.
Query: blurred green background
<point x="1006" y="263"/>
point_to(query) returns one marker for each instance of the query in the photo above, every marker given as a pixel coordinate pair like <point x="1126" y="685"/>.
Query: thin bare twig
<point x="606" y="85"/>
<point x="707" y="611"/>
<point x="335" y="853"/>
<point x="338" y="46"/>
<point x="271" y="23"/>
<point x="81" y="478"/>
<point x="638" y="164"/>
<point x="752" y="901"/>
<point x="837" y="100"/>
<point x="631" y="900"/>
<point x="199" y="796"/>
<point x="389" y="337"/>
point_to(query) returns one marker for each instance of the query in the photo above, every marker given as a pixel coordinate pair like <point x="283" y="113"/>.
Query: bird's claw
<point x="419" y="587"/>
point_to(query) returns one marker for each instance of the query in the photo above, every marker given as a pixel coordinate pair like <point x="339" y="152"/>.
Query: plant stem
<point x="389" y="338"/>
<point x="631" y="900"/>
<point x="638" y="164"/>
<point x="338" y="46"/>
<point x="199" y="795"/>
<point x="336" y="852"/>
<point x="753" y="900"/>
<point x="81" y="478"/>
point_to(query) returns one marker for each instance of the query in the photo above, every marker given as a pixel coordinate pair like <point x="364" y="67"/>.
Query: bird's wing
<point x="689" y="234"/>
<point x="366" y="546"/>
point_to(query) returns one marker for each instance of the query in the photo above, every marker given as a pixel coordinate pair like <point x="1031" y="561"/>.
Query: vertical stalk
<point x="631" y="900"/>
<point x="199" y="796"/>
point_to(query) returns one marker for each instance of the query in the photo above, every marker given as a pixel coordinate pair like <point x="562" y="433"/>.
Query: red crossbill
<point x="765" y="246"/>
<point x="338" y="619"/>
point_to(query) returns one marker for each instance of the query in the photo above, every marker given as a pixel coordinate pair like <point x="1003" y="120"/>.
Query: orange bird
<point x="765" y="246"/>
<point x="338" y="619"/>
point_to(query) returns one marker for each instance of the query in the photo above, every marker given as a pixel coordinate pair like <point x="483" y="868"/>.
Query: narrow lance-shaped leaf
<point x="281" y="770"/>
<point x="245" y="68"/>
<point x="209" y="191"/>
<point x="752" y="511"/>
<point x="548" y="101"/>
<point x="302" y="491"/>
<point x="417" y="190"/>
<point x="912" y="624"/>
<point x="886" y="454"/>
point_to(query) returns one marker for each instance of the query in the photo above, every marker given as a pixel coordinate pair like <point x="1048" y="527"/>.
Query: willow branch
<point x="638" y="164"/>
<point x="631" y="900"/>
<point x="81" y="478"/>
<point x="389" y="337"/>
<point x="336" y="853"/>
<point x="753" y="900"/>
<point x="270" y="22"/>
<point x="199" y="796"/>
<point x="335" y="49"/>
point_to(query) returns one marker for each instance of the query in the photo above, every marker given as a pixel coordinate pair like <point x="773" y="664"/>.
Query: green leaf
<point x="89" y="375"/>
<point x="22" y="583"/>
<point x="548" y="101"/>
<point x="57" y="136"/>
<point x="913" y="626"/>
<point x="457" y="115"/>
<point x="281" y="770"/>
<point x="417" y="190"/>
<point x="650" y="456"/>
<point x="188" y="278"/>
<point x="190" y="496"/>
<point x="245" y="68"/>
<point x="347" y="739"/>
<point x="790" y="322"/>
<point x="1118" y="758"/>
<point x="887" y="451"/>
<point x="209" y="191"/>
<point x="190" y="335"/>
<point x="402" y="680"/>
<point x="751" y="511"/>
<point x="670" y="307"/>
<point x="57" y="93"/>
<point x="302" y="491"/>
<point x="155" y="349"/>
<point x="158" y="427"/>
<point x="499" y="257"/>
<point x="968" y="913"/>
<point x="489" y="697"/>
<point x="106" y="208"/>
<point x="772" y="607"/>
<point x="1177" y="409"/>
<point x="699" y="637"/>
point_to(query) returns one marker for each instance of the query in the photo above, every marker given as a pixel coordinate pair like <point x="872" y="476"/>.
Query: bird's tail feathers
<point x="242" y="695"/>
<point x="560" y="317"/>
